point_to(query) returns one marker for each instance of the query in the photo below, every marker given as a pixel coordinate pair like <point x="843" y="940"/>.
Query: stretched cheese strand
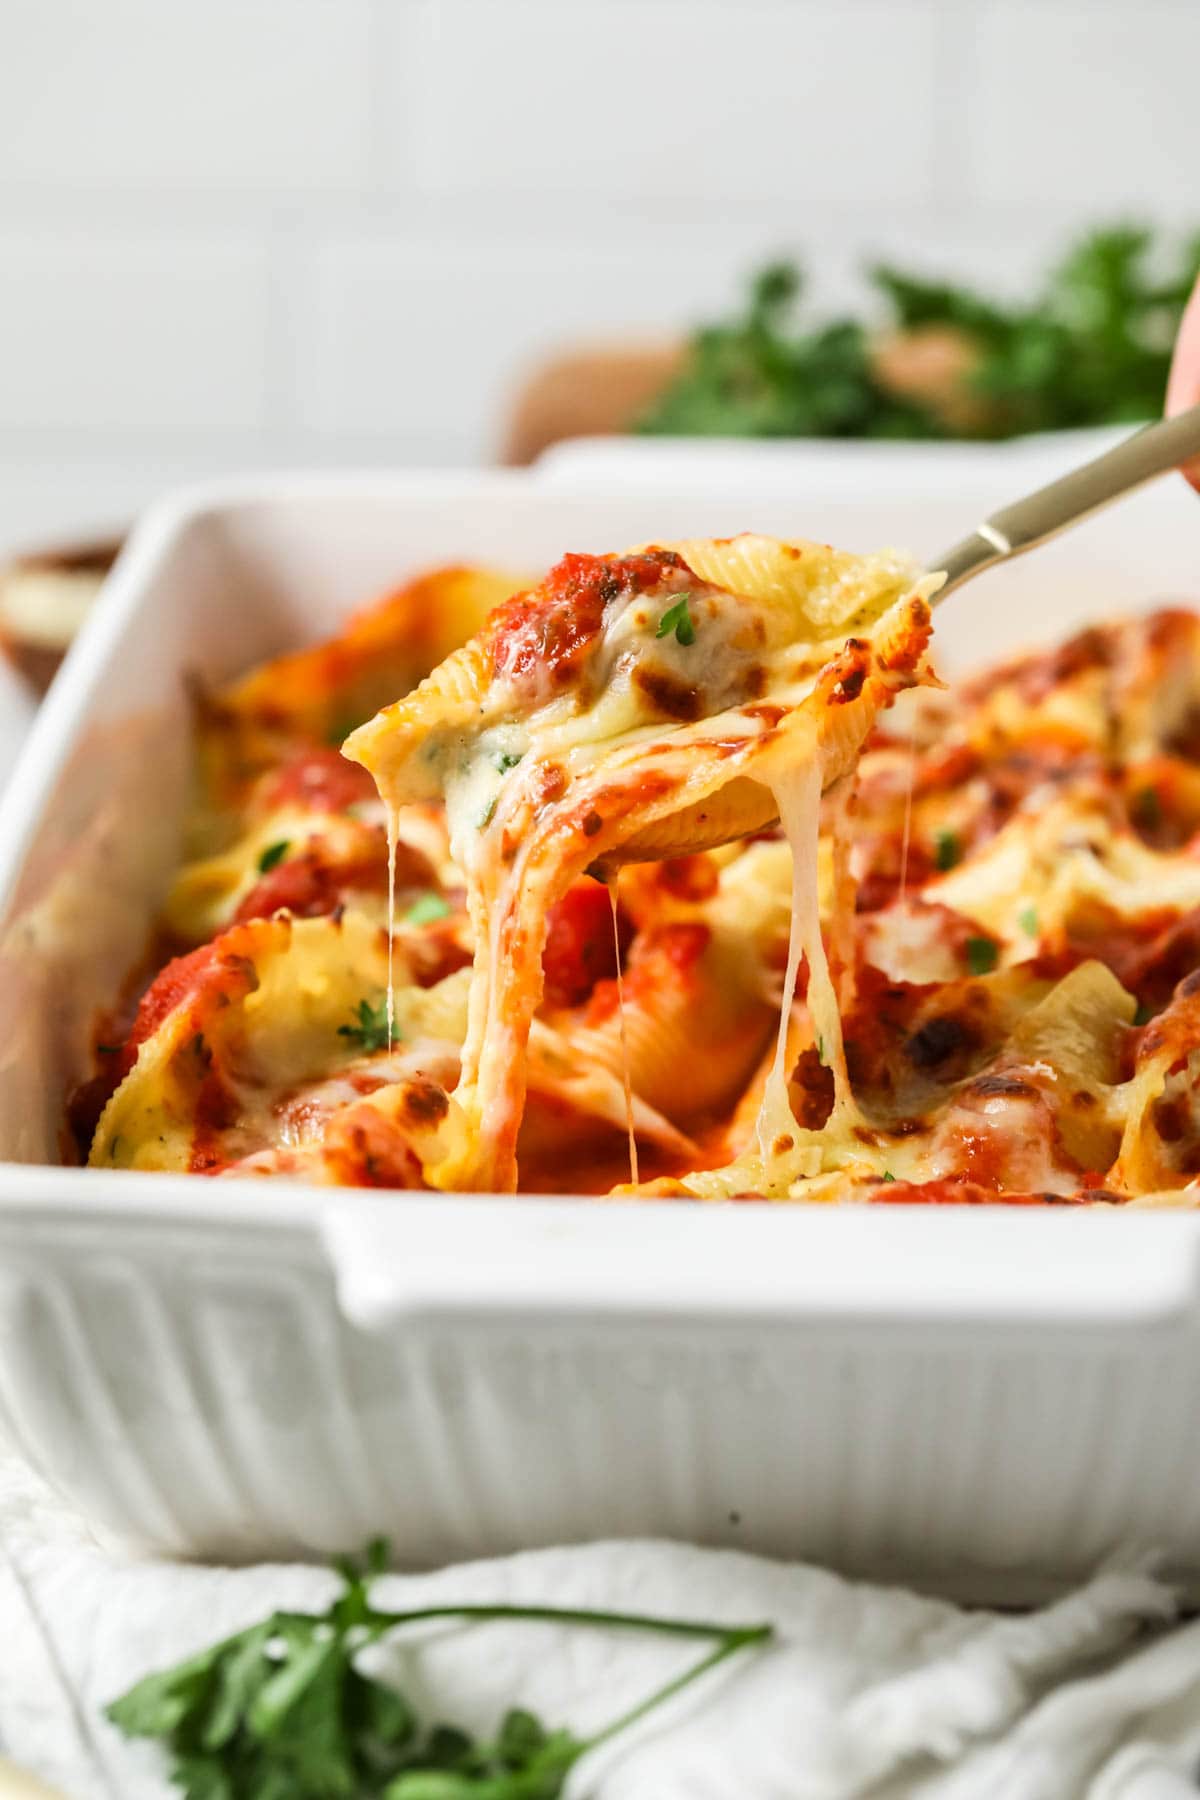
<point x="785" y="1151"/>
<point x="798" y="794"/>
<point x="841" y="800"/>
<point x="508" y="905"/>
<point x="393" y="834"/>
<point x="908" y="804"/>
<point x="625" y="1070"/>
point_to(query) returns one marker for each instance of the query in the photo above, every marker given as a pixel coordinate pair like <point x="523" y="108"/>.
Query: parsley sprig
<point x="281" y="1710"/>
<point x="371" y="1030"/>
<point x="679" y="620"/>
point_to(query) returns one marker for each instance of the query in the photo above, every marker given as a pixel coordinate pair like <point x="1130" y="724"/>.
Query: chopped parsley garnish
<point x="678" y="619"/>
<point x="486" y="813"/>
<point x="1144" y="1014"/>
<point x="109" y="1049"/>
<point x="1027" y="919"/>
<point x="372" y="1028"/>
<point x="982" y="955"/>
<point x="947" y="851"/>
<point x="504" y="760"/>
<point x="273" y="855"/>
<point x="283" y="1708"/>
<point x="426" y="909"/>
<point x="821" y="1051"/>
<point x="888" y="1176"/>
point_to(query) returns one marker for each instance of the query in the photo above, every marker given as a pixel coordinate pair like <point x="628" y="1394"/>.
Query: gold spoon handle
<point x="1154" y="450"/>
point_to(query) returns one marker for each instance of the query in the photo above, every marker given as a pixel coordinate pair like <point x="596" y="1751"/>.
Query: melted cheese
<point x="626" y="1076"/>
<point x="597" y="772"/>
<point x="952" y="887"/>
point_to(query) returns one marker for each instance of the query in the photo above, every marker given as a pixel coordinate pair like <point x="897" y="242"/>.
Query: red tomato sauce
<point x="951" y="1191"/>
<point x="321" y="780"/>
<point x="216" y="1112"/>
<point x="549" y="632"/>
<point x="182" y="977"/>
<point x="580" y="946"/>
<point x="311" y="885"/>
<point x="664" y="955"/>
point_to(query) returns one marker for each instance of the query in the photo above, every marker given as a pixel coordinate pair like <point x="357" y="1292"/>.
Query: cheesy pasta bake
<point x="680" y="873"/>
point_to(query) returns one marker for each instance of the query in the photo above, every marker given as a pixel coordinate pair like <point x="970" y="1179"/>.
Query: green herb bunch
<point x="282" y="1711"/>
<point x="1091" y="346"/>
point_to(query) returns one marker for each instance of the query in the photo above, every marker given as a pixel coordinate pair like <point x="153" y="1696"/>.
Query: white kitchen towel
<point x="868" y="1690"/>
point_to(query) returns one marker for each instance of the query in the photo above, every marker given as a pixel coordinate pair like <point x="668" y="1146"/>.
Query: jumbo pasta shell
<point x="391" y="745"/>
<point x="838" y="714"/>
<point x="814" y="590"/>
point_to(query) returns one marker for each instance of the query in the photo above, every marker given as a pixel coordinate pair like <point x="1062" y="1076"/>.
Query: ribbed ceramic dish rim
<point x="403" y="1255"/>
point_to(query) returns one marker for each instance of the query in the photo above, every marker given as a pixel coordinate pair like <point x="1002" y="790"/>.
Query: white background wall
<point x="239" y="232"/>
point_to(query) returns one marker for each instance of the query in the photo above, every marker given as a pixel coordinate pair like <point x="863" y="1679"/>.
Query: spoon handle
<point x="1154" y="450"/>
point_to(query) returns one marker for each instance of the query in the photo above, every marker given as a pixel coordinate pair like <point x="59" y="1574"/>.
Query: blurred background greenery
<point x="1090" y="345"/>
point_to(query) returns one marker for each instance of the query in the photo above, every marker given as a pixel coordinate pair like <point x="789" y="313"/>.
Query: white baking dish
<point x="237" y="1369"/>
<point x="621" y="464"/>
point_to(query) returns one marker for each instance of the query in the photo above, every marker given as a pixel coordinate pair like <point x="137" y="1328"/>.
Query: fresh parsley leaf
<point x="947" y="851"/>
<point x="308" y="1667"/>
<point x="888" y="1176"/>
<point x="203" y="1778"/>
<point x="371" y="1030"/>
<point x="1027" y="919"/>
<point x="426" y="908"/>
<point x="678" y="619"/>
<point x="240" y="1676"/>
<point x="982" y="955"/>
<point x="504" y="760"/>
<point x="160" y="1703"/>
<point x="273" y="855"/>
<point x="280" y="1711"/>
<point x="530" y="1765"/>
<point x="522" y="1735"/>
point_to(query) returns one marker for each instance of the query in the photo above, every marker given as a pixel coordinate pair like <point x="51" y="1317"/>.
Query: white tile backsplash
<point x="241" y="231"/>
<point x="402" y="336"/>
<point x="1077" y="104"/>
<point x="710" y="101"/>
<point x="159" y="95"/>
<point x="117" y="335"/>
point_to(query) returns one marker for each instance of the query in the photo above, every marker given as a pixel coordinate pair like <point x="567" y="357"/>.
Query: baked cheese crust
<point x="689" y="855"/>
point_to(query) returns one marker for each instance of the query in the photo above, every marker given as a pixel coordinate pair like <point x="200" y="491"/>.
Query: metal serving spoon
<point x="1154" y="450"/>
<point x="1024" y="525"/>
